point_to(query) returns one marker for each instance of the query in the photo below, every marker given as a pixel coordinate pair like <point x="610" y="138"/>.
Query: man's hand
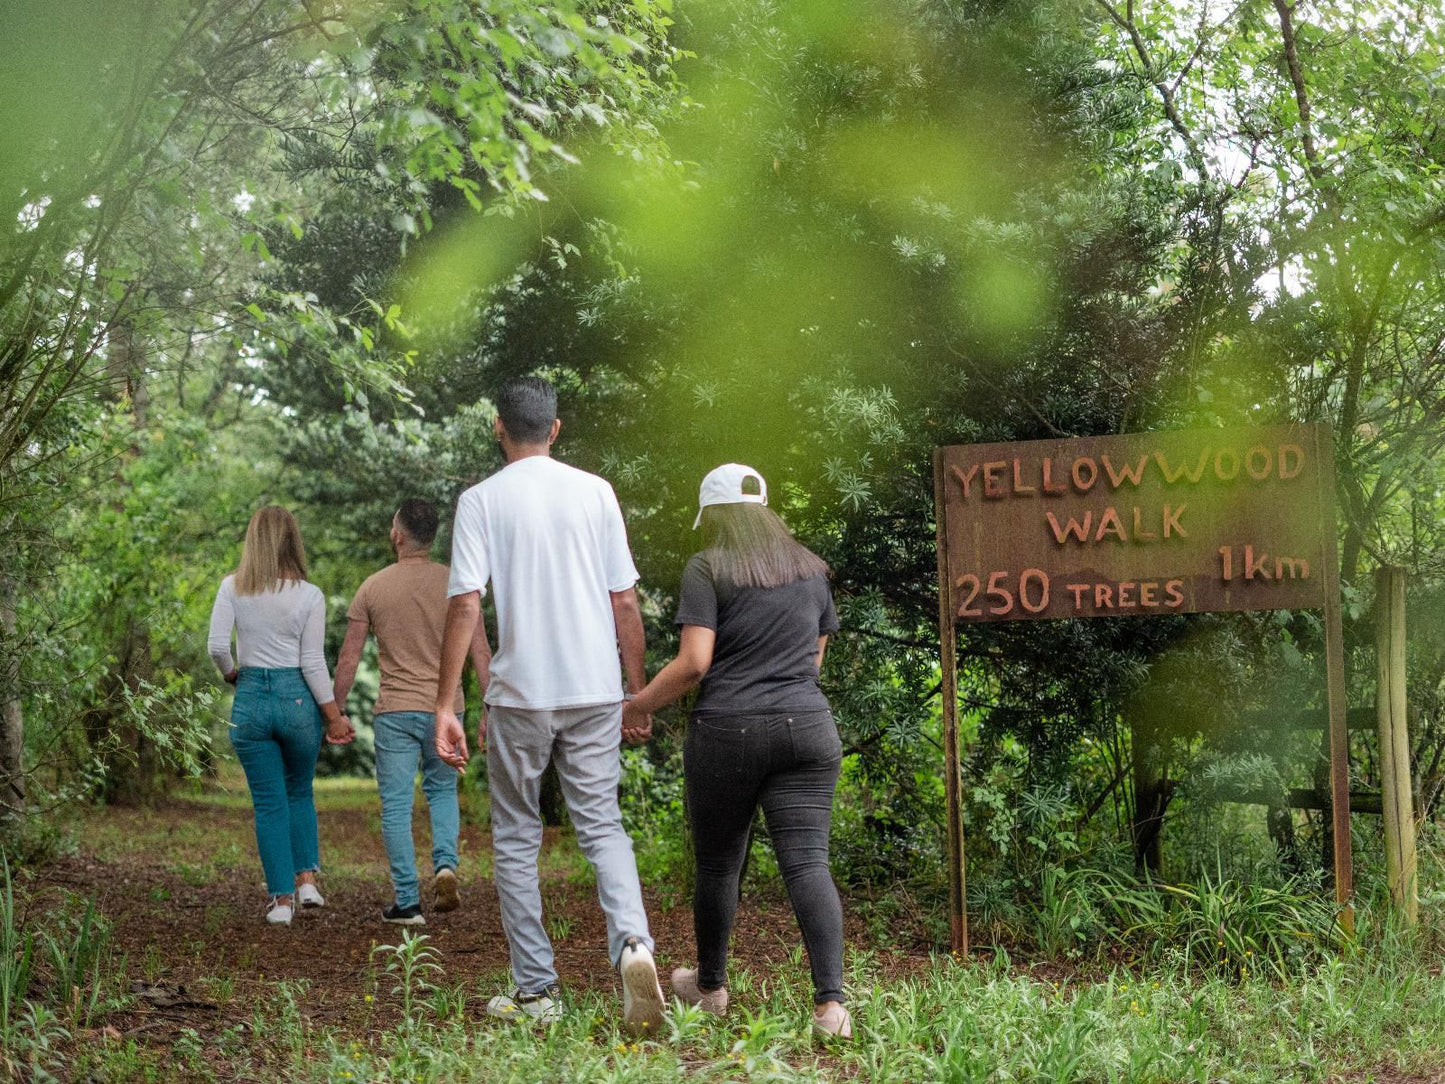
<point x="451" y="739"/>
<point x="339" y="731"/>
<point x="636" y="725"/>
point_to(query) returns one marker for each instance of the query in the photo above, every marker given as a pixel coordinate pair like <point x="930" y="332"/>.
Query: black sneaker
<point x="404" y="916"/>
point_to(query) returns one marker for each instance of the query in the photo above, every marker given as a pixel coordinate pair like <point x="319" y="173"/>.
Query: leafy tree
<point x="1276" y="122"/>
<point x="860" y="263"/>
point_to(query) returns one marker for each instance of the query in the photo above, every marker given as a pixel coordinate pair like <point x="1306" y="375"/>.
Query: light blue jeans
<point x="584" y="744"/>
<point x="276" y="732"/>
<point x="402" y="739"/>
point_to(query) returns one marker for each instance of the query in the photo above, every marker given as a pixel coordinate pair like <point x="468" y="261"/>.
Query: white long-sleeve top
<point x="279" y="629"/>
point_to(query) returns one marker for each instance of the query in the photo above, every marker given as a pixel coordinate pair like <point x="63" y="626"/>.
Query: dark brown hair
<point x="748" y="545"/>
<point x="418" y="518"/>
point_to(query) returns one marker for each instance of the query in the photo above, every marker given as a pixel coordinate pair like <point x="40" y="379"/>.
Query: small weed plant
<point x="76" y="953"/>
<point x="412" y="963"/>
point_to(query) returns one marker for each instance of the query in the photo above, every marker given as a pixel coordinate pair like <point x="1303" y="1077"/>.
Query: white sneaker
<point x="280" y="913"/>
<point x="309" y="896"/>
<point x="544" y="1008"/>
<point x="642" y="1002"/>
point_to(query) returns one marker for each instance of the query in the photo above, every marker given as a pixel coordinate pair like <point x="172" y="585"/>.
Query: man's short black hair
<point x="527" y="406"/>
<point x="418" y="518"/>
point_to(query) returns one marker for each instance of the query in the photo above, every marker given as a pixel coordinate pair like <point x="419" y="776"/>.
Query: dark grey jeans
<point x="789" y="765"/>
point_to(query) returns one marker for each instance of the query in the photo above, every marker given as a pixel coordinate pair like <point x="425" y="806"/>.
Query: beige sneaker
<point x="445" y="896"/>
<point x="686" y="989"/>
<point x="831" y="1021"/>
<point x="642" y="1004"/>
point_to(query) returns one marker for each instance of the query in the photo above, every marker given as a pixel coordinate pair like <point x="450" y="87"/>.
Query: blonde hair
<point x="273" y="552"/>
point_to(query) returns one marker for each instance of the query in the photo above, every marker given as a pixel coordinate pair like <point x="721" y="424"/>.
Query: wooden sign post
<point x="1136" y="525"/>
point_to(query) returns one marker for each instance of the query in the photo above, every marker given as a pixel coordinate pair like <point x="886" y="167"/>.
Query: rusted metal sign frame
<point x="1322" y="447"/>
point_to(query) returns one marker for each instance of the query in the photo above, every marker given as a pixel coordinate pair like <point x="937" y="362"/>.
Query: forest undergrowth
<point x="140" y="956"/>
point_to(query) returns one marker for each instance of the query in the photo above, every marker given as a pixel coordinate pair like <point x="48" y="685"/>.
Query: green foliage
<point x="651" y="796"/>
<point x="475" y="95"/>
<point x="1224" y="925"/>
<point x="1361" y="1013"/>
<point x="70" y="957"/>
<point x="260" y="259"/>
<point x="17" y="959"/>
<point x="126" y="694"/>
<point x="412" y="963"/>
<point x="76" y="952"/>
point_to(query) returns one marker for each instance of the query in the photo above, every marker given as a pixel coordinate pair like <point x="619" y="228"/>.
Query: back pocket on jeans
<point x="815" y="738"/>
<point x="714" y="753"/>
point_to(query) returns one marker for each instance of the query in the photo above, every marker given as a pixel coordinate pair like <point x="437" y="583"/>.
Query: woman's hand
<point x="677" y="677"/>
<point x="636" y="725"/>
<point x="230" y="679"/>
<point x="339" y="731"/>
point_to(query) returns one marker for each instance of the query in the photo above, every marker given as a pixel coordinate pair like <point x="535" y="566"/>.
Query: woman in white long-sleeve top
<point x="281" y="679"/>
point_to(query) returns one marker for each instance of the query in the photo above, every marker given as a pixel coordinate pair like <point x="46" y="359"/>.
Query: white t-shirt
<point x="550" y="538"/>
<point x="278" y="630"/>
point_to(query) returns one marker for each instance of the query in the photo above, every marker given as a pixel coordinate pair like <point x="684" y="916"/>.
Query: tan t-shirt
<point x="406" y="606"/>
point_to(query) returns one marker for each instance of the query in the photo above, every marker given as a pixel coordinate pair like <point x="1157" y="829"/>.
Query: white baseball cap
<point x="724" y="485"/>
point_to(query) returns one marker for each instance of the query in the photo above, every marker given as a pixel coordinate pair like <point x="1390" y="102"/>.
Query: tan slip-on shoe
<point x="686" y="989"/>
<point x="832" y="1021"/>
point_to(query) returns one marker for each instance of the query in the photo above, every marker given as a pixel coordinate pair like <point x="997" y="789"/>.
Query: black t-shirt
<point x="766" y="655"/>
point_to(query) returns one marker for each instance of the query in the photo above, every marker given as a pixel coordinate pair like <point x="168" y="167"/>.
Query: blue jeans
<point x="276" y="732"/>
<point x="403" y="738"/>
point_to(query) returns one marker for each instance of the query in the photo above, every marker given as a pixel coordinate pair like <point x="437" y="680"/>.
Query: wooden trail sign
<point x="1135" y="525"/>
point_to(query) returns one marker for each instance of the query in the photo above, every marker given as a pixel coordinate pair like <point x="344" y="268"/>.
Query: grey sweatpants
<point x="585" y="744"/>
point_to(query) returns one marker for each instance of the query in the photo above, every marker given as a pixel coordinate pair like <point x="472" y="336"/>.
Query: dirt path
<point x="181" y="886"/>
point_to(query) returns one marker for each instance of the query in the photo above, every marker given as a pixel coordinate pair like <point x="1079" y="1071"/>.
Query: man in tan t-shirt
<point x="405" y="605"/>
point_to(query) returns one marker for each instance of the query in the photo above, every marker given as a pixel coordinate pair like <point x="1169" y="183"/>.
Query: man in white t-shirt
<point x="550" y="540"/>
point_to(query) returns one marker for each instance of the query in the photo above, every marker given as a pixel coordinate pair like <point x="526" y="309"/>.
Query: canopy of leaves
<point x="820" y="238"/>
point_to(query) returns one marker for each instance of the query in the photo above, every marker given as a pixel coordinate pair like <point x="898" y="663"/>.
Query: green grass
<point x="1225" y="981"/>
<point x="953" y="1023"/>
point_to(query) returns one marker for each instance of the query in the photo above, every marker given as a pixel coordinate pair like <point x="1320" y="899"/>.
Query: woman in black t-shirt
<point x="756" y="614"/>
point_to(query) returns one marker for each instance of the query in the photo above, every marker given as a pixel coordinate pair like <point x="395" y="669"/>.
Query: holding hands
<point x="636" y="724"/>
<point x="339" y="731"/>
<point x="674" y="679"/>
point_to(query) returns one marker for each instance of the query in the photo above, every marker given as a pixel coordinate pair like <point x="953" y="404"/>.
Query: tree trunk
<point x="1280" y="823"/>
<point x="12" y="721"/>
<point x="132" y="767"/>
<point x="1150" y="796"/>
